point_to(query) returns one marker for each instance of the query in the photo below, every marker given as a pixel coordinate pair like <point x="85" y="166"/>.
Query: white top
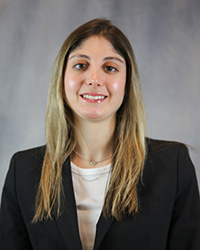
<point x="89" y="188"/>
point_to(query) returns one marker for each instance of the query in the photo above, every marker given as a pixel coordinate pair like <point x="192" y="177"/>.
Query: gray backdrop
<point x="166" y="39"/>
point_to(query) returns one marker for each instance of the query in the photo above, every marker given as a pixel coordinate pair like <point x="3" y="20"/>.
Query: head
<point x="132" y="106"/>
<point x="60" y="130"/>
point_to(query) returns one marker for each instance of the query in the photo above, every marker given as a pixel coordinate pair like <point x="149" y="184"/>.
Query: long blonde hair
<point x="129" y="138"/>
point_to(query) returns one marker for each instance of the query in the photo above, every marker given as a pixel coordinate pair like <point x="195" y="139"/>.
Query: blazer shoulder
<point x="168" y="162"/>
<point x="28" y="159"/>
<point x="169" y="154"/>
<point x="164" y="146"/>
<point x="36" y="152"/>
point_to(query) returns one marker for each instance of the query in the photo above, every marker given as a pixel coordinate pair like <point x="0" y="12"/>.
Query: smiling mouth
<point x="91" y="97"/>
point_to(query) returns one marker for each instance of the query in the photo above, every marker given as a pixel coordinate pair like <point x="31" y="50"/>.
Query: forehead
<point x="94" y="43"/>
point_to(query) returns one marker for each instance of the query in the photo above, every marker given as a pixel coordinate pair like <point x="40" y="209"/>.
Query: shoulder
<point x="25" y="169"/>
<point x="26" y="164"/>
<point x="167" y="151"/>
<point x="36" y="152"/>
<point x="168" y="169"/>
<point x="154" y="145"/>
<point x="29" y="157"/>
<point x="22" y="180"/>
<point x="169" y="158"/>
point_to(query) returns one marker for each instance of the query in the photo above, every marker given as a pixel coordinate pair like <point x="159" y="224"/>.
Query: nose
<point x="93" y="83"/>
<point x="94" y="78"/>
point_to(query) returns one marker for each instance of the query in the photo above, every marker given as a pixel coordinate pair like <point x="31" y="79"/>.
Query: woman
<point x="99" y="183"/>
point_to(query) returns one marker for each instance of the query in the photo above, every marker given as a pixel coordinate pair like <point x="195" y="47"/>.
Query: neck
<point x="94" y="142"/>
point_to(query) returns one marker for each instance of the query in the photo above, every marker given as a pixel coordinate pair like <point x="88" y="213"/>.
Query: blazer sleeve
<point x="13" y="233"/>
<point x="184" y="232"/>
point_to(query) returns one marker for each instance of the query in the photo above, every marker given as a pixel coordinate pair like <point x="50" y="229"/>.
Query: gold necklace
<point x="93" y="163"/>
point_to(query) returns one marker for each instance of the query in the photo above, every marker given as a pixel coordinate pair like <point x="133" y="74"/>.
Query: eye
<point x="110" y="69"/>
<point x="80" y="66"/>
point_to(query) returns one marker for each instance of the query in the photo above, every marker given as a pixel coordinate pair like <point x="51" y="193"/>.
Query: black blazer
<point x="168" y="217"/>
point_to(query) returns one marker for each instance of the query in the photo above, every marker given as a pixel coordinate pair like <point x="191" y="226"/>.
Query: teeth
<point x="93" y="97"/>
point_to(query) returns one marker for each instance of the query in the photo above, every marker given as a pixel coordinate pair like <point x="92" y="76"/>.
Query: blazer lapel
<point x="101" y="229"/>
<point x="67" y="222"/>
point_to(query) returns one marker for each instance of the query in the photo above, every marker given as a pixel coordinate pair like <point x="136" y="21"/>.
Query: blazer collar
<point x="102" y="227"/>
<point x="68" y="222"/>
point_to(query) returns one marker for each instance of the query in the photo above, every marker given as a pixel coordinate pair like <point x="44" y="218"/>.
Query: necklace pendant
<point x="93" y="163"/>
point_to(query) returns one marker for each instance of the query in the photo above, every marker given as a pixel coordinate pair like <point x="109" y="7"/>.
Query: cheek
<point x="118" y="87"/>
<point x="71" y="84"/>
<point x="69" y="88"/>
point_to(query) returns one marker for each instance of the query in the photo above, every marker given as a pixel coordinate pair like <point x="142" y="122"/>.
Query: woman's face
<point x="94" y="80"/>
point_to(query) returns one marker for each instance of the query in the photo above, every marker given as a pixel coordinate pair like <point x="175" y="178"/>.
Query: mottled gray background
<point x="166" y="39"/>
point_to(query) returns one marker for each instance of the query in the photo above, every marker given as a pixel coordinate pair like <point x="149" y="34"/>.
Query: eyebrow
<point x="113" y="58"/>
<point x="105" y="59"/>
<point x="81" y="56"/>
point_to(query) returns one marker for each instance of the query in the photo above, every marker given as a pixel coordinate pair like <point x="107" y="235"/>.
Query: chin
<point x="93" y="117"/>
